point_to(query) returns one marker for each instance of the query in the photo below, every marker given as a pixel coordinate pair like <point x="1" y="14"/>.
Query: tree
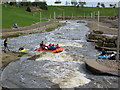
<point x="12" y="3"/>
<point x="57" y="2"/>
<point x="111" y="5"/>
<point x="103" y="5"/>
<point x="114" y="6"/>
<point x="28" y="9"/>
<point x="82" y="3"/>
<point x="43" y="5"/>
<point x="74" y="2"/>
<point x="98" y="4"/>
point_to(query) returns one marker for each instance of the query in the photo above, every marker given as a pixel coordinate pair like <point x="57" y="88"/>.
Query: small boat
<point x="21" y="50"/>
<point x="53" y="51"/>
<point x="104" y="57"/>
<point x="110" y="55"/>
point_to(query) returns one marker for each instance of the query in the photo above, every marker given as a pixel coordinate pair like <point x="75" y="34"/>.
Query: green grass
<point x="11" y="15"/>
<point x="71" y="10"/>
<point x="0" y="17"/>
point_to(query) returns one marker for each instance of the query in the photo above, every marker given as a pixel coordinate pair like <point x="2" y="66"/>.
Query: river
<point x="66" y="68"/>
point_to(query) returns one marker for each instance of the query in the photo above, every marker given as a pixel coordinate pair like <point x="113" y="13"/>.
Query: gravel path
<point x="106" y="26"/>
<point x="37" y="25"/>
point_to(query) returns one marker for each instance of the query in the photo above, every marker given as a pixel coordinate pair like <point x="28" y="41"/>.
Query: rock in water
<point x="42" y="74"/>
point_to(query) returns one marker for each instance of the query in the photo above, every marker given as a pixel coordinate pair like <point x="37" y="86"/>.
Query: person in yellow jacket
<point x="5" y="45"/>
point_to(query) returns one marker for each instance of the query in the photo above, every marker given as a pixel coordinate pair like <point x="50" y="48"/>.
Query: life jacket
<point x="57" y="46"/>
<point x="41" y="43"/>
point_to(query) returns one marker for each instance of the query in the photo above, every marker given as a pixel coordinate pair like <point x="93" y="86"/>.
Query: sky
<point x="77" y="0"/>
<point x="89" y="3"/>
<point x="82" y="0"/>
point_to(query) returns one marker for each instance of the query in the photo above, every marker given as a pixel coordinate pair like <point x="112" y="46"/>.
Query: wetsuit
<point x="42" y="45"/>
<point x="5" y="45"/>
<point x="21" y="48"/>
<point x="52" y="48"/>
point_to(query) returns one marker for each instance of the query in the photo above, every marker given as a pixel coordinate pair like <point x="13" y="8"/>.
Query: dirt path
<point x="8" y="57"/>
<point x="27" y="27"/>
<point x="37" y="28"/>
<point x="106" y="28"/>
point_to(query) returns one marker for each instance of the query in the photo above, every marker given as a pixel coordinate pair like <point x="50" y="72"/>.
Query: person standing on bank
<point x="5" y="45"/>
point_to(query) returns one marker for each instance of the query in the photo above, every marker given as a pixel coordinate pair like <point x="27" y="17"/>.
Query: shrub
<point x="28" y="9"/>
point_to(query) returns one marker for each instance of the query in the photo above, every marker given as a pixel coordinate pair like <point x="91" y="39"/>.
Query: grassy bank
<point x="12" y="14"/>
<point x="0" y="17"/>
<point x="73" y="11"/>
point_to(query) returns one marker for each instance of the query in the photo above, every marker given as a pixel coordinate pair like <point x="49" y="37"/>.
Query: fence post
<point x="98" y="19"/>
<point x="118" y="39"/>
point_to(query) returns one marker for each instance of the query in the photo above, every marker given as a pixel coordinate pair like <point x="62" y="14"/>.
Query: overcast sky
<point x="90" y="3"/>
<point x="81" y="0"/>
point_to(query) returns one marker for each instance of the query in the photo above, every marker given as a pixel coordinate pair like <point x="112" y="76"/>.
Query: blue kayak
<point x="104" y="57"/>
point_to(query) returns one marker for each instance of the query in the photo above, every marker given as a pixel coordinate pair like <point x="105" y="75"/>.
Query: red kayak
<point x="53" y="51"/>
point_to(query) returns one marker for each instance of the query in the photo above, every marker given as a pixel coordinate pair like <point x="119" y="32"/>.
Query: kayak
<point x="104" y="57"/>
<point x="21" y="50"/>
<point x="53" y="51"/>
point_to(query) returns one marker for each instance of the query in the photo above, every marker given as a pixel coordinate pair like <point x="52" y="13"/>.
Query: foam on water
<point x="73" y="44"/>
<point x="63" y="56"/>
<point x="64" y="70"/>
<point x="65" y="74"/>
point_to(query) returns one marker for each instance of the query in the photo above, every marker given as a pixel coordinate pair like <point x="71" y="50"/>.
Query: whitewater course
<point x="65" y="69"/>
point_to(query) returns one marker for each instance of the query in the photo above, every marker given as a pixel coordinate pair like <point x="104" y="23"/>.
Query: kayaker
<point x="103" y="52"/>
<point x="57" y="46"/>
<point x="42" y="45"/>
<point x="15" y="25"/>
<point x="52" y="47"/>
<point x="5" y="45"/>
<point x="49" y="46"/>
<point x="21" y="48"/>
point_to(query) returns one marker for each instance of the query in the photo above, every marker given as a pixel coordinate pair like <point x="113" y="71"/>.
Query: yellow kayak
<point x="21" y="50"/>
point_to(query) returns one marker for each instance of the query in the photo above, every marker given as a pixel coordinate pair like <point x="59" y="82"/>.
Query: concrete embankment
<point x="99" y="66"/>
<point x="101" y="41"/>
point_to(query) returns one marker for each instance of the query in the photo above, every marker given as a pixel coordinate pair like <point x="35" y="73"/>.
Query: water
<point x="66" y="68"/>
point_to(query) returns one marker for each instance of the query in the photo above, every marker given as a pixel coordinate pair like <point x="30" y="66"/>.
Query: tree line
<point x="41" y="5"/>
<point x="103" y="5"/>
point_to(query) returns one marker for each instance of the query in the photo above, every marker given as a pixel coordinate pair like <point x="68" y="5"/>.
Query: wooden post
<point x="94" y="15"/>
<point x="50" y="15"/>
<point x="40" y="16"/>
<point x="118" y="39"/>
<point x="72" y="16"/>
<point x="54" y="15"/>
<point x="91" y="15"/>
<point x="63" y="15"/>
<point x="84" y="15"/>
<point x="98" y="19"/>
